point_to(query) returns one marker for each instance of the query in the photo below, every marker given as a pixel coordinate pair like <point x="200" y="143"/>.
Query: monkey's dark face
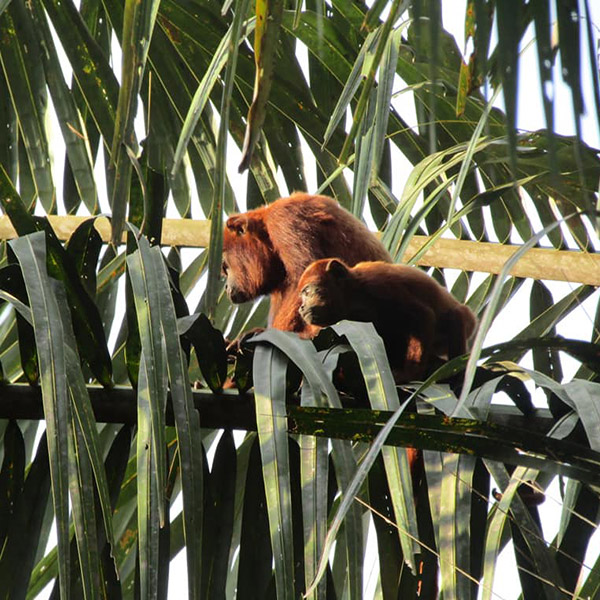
<point x="314" y="308"/>
<point x="321" y="305"/>
<point x="322" y="290"/>
<point x="235" y="293"/>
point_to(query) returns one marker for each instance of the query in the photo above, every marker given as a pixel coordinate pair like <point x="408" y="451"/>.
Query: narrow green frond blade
<point x="544" y="561"/>
<point x="12" y="478"/>
<point x="81" y="485"/>
<point x="187" y="424"/>
<point x="314" y="474"/>
<point x="31" y="253"/>
<point x="201" y="97"/>
<point x="271" y="419"/>
<point x="383" y="395"/>
<point x="266" y="37"/>
<point x="138" y="24"/>
<point x="351" y="86"/>
<point x="95" y="78"/>
<point x="23" y="545"/>
<point x="71" y="125"/>
<point x="489" y="312"/>
<point x="350" y="492"/>
<point x="304" y="355"/>
<point x="215" y="249"/>
<point x="26" y="82"/>
<point x="84" y="437"/>
<point x="145" y="284"/>
<point x="508" y="44"/>
<point x="149" y="495"/>
<point x="455" y="516"/>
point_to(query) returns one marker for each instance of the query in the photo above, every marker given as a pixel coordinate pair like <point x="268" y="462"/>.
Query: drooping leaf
<point x="84" y="247"/>
<point x="266" y="37"/>
<point x="72" y="127"/>
<point x="383" y="396"/>
<point x="95" y="78"/>
<point x="269" y="394"/>
<point x="220" y="517"/>
<point x="210" y="348"/>
<point x="25" y="535"/>
<point x="12" y="477"/>
<point x="25" y="79"/>
<point x="31" y="253"/>
<point x="11" y="281"/>
<point x="314" y="470"/>
<point x="187" y="424"/>
<point x="255" y="571"/>
<point x="86" y="321"/>
<point x="138" y="26"/>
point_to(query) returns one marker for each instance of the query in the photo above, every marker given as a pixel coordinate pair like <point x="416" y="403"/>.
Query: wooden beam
<point x="433" y="432"/>
<point x="228" y="408"/>
<point x="176" y="232"/>
<point x="538" y="263"/>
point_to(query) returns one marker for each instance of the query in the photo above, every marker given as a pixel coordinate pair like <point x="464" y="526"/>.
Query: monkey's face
<point x="316" y="307"/>
<point x="323" y="293"/>
<point x="235" y="293"/>
<point x="251" y="267"/>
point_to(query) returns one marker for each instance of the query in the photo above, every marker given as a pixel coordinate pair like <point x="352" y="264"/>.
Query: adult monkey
<point x="266" y="250"/>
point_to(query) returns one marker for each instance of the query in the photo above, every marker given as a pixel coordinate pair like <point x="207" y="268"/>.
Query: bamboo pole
<point x="176" y="232"/>
<point x="538" y="263"/>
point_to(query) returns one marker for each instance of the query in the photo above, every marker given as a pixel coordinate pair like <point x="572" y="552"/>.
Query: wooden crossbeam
<point x="538" y="263"/>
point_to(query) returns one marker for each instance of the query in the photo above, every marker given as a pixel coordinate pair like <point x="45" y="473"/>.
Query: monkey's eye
<point x="224" y="269"/>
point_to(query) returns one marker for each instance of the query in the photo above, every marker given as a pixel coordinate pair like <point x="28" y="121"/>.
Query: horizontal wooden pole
<point x="538" y="263"/>
<point x="227" y="409"/>
<point x="233" y="411"/>
<point x="176" y="232"/>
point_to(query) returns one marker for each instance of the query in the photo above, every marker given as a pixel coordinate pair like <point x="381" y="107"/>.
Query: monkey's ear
<point x="238" y="224"/>
<point x="337" y="268"/>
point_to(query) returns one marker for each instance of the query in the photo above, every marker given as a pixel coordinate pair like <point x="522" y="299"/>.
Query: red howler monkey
<point x="265" y="251"/>
<point x="415" y="316"/>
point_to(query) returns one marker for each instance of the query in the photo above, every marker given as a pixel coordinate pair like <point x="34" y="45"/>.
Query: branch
<point x="507" y="436"/>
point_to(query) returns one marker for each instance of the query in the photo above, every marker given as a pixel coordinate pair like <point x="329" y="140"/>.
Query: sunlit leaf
<point x="266" y="37"/>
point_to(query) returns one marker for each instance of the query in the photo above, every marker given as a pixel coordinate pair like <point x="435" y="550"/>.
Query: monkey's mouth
<point x="236" y="296"/>
<point x="316" y="315"/>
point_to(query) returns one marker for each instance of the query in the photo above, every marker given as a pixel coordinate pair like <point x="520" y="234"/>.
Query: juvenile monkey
<point x="416" y="317"/>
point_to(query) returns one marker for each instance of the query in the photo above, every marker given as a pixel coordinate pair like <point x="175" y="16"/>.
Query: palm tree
<point x="147" y="104"/>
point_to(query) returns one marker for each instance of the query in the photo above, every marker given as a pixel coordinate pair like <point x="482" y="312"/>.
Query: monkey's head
<point x="323" y="290"/>
<point x="250" y="265"/>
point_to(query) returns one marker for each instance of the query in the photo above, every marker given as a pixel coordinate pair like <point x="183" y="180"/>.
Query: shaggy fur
<point x="265" y="251"/>
<point x="415" y="316"/>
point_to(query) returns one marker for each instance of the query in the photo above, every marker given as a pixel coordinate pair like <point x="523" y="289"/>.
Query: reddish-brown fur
<point x="415" y="316"/>
<point x="266" y="250"/>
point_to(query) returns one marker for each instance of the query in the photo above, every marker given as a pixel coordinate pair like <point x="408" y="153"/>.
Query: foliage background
<point x="151" y="101"/>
